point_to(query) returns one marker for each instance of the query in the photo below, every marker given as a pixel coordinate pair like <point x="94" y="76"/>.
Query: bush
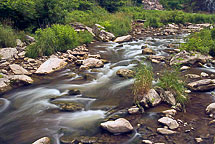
<point x="53" y="39"/>
<point x="143" y="82"/>
<point x="7" y="37"/>
<point x="84" y="37"/>
<point x="171" y="81"/>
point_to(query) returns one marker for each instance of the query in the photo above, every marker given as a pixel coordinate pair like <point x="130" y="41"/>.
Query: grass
<point x="143" y="82"/>
<point x="7" y="37"/>
<point x="171" y="81"/>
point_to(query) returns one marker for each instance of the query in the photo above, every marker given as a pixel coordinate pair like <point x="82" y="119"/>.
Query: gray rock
<point x="20" y="78"/>
<point x="198" y="140"/>
<point x="123" y="39"/>
<point x="165" y="131"/>
<point x="101" y="34"/>
<point x="152" y="98"/>
<point x="211" y="109"/>
<point x="168" y="97"/>
<point x="170" y="113"/>
<point x="44" y="140"/>
<point x="18" y="70"/>
<point x="8" y="53"/>
<point x="120" y="125"/>
<point x="147" y="142"/>
<point x="172" y="124"/>
<point x="19" y="43"/>
<point x="192" y="76"/>
<point x="133" y="110"/>
<point x="202" y="85"/>
<point x="93" y="63"/>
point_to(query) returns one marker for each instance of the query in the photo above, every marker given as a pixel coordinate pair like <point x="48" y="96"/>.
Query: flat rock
<point x="120" y="125"/>
<point x="165" y="131"/>
<point x="133" y="110"/>
<point x="21" y="78"/>
<point x="192" y="76"/>
<point x="123" y="39"/>
<point x="147" y="142"/>
<point x="152" y="98"/>
<point x="202" y="85"/>
<point x="44" y="140"/>
<point x="8" y="53"/>
<point x="170" y="112"/>
<point x="51" y="65"/>
<point x="125" y="73"/>
<point x="18" y="70"/>
<point x="93" y="63"/>
<point x="172" y="124"/>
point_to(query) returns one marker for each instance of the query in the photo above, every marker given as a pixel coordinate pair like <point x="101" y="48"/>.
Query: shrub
<point x="143" y="82"/>
<point x="84" y="37"/>
<point x="7" y="37"/>
<point x="53" y="39"/>
<point x="171" y="81"/>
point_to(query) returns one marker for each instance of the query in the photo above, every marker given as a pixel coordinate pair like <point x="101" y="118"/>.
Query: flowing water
<point x="26" y="113"/>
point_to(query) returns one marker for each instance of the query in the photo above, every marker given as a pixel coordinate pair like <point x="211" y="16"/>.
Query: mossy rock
<point x="68" y="105"/>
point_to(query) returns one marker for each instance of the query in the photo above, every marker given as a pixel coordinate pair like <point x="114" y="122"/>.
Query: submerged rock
<point x="172" y="124"/>
<point x="18" y="70"/>
<point x="123" y="39"/>
<point x="8" y="53"/>
<point x="120" y="125"/>
<point x="68" y="105"/>
<point x="125" y="73"/>
<point x="78" y="140"/>
<point x="202" y="85"/>
<point x="152" y="98"/>
<point x="165" y="131"/>
<point x="51" y="65"/>
<point x="44" y="140"/>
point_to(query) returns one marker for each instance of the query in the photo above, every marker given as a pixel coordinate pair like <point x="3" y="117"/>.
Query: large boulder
<point x="172" y="124"/>
<point x="125" y="73"/>
<point x="18" y="70"/>
<point x="51" y="65"/>
<point x="123" y="39"/>
<point x="44" y="140"/>
<point x="93" y="63"/>
<point x="101" y="34"/>
<point x="120" y="125"/>
<point x="165" y="131"/>
<point x="186" y="58"/>
<point x="152" y="98"/>
<point x="8" y="53"/>
<point x="202" y="85"/>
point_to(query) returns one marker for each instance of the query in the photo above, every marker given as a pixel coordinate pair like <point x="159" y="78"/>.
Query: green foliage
<point x="1" y="76"/>
<point x="171" y="81"/>
<point x="112" y="5"/>
<point x="84" y="37"/>
<point x="53" y="39"/>
<point x="202" y="41"/>
<point x="7" y="37"/>
<point x="143" y="81"/>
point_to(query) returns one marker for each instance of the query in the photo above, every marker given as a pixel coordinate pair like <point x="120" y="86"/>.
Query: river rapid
<point x="26" y="113"/>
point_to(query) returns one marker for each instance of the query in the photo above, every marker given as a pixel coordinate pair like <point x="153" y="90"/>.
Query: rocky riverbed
<point x="85" y="95"/>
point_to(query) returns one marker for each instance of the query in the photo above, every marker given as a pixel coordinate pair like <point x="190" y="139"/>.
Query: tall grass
<point x="7" y="37"/>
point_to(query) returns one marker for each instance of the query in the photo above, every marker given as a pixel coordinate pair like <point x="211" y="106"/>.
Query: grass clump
<point x="203" y="42"/>
<point x="7" y="37"/>
<point x="143" y="82"/>
<point x="171" y="81"/>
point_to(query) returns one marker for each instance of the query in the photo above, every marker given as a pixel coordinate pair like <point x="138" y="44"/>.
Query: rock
<point x="120" y="125"/>
<point x="203" y="74"/>
<point x="22" y="54"/>
<point x="152" y="98"/>
<point x="148" y="51"/>
<point x="18" y="70"/>
<point x="125" y="73"/>
<point x="147" y="142"/>
<point x="51" y="65"/>
<point x="187" y="91"/>
<point x="198" y="140"/>
<point x="8" y="53"/>
<point x="20" y="79"/>
<point x="74" y="92"/>
<point x="202" y="85"/>
<point x="192" y="76"/>
<point x="133" y="110"/>
<point x="156" y="57"/>
<point x="172" y="124"/>
<point x="30" y="38"/>
<point x="211" y="109"/>
<point x="78" y="140"/>
<point x="212" y="122"/>
<point x="184" y="68"/>
<point x="19" y="43"/>
<point x="123" y="39"/>
<point x="165" y="131"/>
<point x="68" y="105"/>
<point x="155" y="61"/>
<point x="168" y="97"/>
<point x="4" y="85"/>
<point x="152" y="5"/>
<point x="101" y="34"/>
<point x="169" y="113"/>
<point x="93" y="63"/>
<point x="185" y="58"/>
<point x="44" y="140"/>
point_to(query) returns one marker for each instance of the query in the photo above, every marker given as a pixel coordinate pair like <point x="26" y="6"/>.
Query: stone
<point x="30" y="38"/>
<point x="168" y="97"/>
<point x="211" y="109"/>
<point x="21" y="78"/>
<point x="51" y="65"/>
<point x="125" y="73"/>
<point x="123" y="39"/>
<point x="44" y="140"/>
<point x="155" y="61"/>
<point x="101" y="34"/>
<point x="203" y="74"/>
<point x="78" y="140"/>
<point x="170" y="113"/>
<point x="8" y="53"/>
<point x="148" y="51"/>
<point x="212" y="122"/>
<point x="165" y="131"/>
<point x="22" y="54"/>
<point x="74" y="92"/>
<point x="147" y="142"/>
<point x="120" y="125"/>
<point x="18" y="70"/>
<point x="4" y="85"/>
<point x="172" y="124"/>
<point x="187" y="91"/>
<point x="192" y="76"/>
<point x="198" y="140"/>
<point x="68" y="105"/>
<point x="93" y="63"/>
<point x="152" y="98"/>
<point x="133" y="110"/>
<point x="202" y="85"/>
<point x="184" y="68"/>
<point x="19" y="43"/>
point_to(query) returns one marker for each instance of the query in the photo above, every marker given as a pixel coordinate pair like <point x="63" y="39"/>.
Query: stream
<point x="26" y="113"/>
